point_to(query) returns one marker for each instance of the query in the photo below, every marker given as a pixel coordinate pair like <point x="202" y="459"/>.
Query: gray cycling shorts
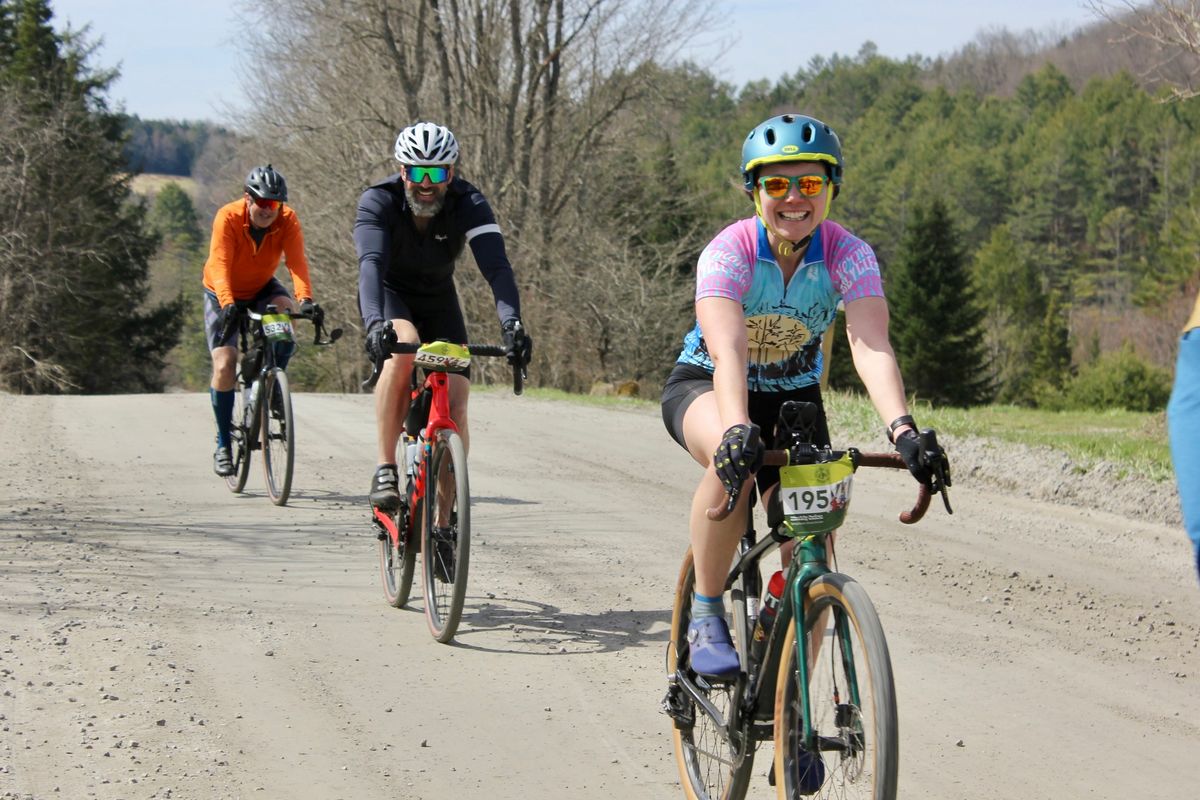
<point x="212" y="309"/>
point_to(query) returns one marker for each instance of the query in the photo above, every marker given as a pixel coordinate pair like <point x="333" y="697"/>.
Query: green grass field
<point x="149" y="184"/>
<point x="1136" y="442"/>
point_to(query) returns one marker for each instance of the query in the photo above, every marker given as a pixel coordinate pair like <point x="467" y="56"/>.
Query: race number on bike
<point x="815" y="496"/>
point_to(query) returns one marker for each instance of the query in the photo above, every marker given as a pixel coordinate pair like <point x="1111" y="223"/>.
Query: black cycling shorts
<point x="687" y="382"/>
<point x="435" y="316"/>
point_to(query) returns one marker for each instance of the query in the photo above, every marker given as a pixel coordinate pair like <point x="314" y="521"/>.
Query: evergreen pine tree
<point x="935" y="322"/>
<point x="76" y="244"/>
<point x="1052" y="347"/>
<point x="176" y="271"/>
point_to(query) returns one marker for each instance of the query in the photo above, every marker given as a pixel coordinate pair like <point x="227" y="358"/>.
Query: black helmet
<point x="266" y="184"/>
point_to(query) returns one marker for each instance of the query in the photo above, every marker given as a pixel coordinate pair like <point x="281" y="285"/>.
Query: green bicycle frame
<point x="806" y="567"/>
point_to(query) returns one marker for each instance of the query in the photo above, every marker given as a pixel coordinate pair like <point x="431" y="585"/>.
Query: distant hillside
<point x="169" y="147"/>
<point x="997" y="60"/>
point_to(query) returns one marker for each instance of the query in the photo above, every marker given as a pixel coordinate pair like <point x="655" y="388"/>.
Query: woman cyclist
<point x="767" y="289"/>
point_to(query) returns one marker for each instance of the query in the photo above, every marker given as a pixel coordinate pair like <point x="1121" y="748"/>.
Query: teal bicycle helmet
<point x="791" y="137"/>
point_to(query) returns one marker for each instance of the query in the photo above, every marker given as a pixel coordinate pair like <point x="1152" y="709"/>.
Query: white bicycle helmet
<point x="426" y="144"/>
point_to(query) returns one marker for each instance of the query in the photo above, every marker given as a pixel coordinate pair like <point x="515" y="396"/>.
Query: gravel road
<point x="163" y="638"/>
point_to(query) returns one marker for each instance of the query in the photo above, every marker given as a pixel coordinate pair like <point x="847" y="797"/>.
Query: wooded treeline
<point x="168" y="147"/>
<point x="1048" y="166"/>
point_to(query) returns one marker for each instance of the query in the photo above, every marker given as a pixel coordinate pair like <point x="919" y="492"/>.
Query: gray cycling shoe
<point x="223" y="462"/>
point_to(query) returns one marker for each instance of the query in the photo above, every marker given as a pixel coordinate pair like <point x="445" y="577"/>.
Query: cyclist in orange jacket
<point x="250" y="236"/>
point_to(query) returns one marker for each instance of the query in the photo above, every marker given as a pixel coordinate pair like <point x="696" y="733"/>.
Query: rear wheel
<point x="446" y="535"/>
<point x="711" y="765"/>
<point x="278" y="436"/>
<point x="397" y="562"/>
<point x="239" y="440"/>
<point x="855" y="753"/>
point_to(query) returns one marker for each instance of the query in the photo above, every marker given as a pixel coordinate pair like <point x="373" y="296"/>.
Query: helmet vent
<point x="770" y="136"/>
<point x="809" y="133"/>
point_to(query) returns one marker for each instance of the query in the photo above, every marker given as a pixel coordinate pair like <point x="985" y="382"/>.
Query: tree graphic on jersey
<point x="772" y="337"/>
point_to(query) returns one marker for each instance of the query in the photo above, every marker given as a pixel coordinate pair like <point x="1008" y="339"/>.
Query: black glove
<point x="908" y="445"/>
<point x="379" y="338"/>
<point x="518" y="344"/>
<point x="227" y="320"/>
<point x="738" y="456"/>
<point x="307" y="306"/>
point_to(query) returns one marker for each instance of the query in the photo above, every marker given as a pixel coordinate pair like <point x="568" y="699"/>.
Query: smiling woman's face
<point x="794" y="215"/>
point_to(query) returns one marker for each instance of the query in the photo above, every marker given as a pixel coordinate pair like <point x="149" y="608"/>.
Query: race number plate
<point x="443" y="357"/>
<point x="815" y="496"/>
<point x="277" y="327"/>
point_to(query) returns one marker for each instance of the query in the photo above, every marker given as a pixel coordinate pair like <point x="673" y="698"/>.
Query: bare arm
<point x="723" y="324"/>
<point x="874" y="359"/>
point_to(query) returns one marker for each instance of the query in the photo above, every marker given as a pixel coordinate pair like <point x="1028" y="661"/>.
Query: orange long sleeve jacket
<point x="237" y="268"/>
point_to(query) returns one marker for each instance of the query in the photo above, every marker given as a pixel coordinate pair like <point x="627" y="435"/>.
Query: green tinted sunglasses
<point x="435" y="174"/>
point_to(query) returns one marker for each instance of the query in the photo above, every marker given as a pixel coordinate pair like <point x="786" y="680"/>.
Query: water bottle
<point x="766" y="616"/>
<point x="410" y="456"/>
<point x="253" y="395"/>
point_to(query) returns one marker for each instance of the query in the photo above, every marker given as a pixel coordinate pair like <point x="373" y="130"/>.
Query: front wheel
<point x="278" y="436"/>
<point x="711" y="765"/>
<point x="854" y="750"/>
<point x="240" y="439"/>
<point x="446" y="535"/>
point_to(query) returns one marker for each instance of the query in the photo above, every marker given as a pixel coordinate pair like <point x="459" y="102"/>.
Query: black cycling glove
<point x="518" y="344"/>
<point x="227" y="320"/>
<point x="738" y="456"/>
<point x="379" y="337"/>
<point x="307" y="306"/>
<point x="908" y="445"/>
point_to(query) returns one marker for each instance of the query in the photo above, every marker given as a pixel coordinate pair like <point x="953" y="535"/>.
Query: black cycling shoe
<point x="385" y="488"/>
<point x="444" y="541"/>
<point x="223" y="462"/>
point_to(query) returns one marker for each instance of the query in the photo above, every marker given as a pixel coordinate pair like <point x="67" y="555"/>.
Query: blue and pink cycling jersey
<point x="784" y="324"/>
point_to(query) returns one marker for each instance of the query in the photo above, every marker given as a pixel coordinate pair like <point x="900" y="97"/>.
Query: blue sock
<point x="222" y="403"/>
<point x="707" y="606"/>
<point x="283" y="353"/>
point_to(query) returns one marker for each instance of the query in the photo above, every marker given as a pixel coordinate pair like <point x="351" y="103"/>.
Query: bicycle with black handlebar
<point x="815" y="674"/>
<point x="262" y="414"/>
<point x="434" y="514"/>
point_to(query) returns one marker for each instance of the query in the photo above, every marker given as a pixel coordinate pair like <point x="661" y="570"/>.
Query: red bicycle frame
<point x="439" y="419"/>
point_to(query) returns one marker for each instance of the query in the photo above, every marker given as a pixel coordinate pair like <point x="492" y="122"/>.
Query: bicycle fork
<point x="840" y="633"/>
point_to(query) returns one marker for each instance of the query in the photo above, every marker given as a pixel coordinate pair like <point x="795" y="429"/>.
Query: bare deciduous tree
<point x="1173" y="28"/>
<point x="547" y="98"/>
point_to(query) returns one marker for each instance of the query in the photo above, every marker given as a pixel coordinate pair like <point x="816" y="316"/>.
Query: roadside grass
<point x="1135" y="442"/>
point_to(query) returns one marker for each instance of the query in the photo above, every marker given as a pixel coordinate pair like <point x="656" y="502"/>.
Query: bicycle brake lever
<point x="941" y="488"/>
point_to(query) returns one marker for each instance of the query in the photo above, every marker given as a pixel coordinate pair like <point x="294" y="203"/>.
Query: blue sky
<point x="179" y="58"/>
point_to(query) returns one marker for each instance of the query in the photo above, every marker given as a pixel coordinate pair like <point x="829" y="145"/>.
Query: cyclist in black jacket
<point x="408" y="231"/>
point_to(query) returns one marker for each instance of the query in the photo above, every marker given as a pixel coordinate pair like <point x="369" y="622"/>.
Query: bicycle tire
<point x="858" y="740"/>
<point x="398" y="563"/>
<point x="240" y="445"/>
<point x="710" y="767"/>
<point x="445" y="582"/>
<point x="278" y="435"/>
